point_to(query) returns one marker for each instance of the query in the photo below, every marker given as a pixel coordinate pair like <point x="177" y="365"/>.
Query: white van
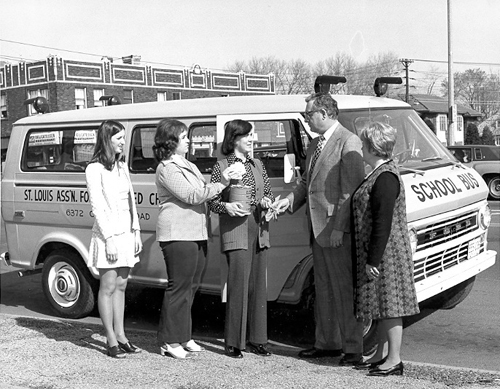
<point x="48" y="218"/>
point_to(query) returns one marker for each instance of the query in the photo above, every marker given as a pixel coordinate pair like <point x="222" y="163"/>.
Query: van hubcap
<point x="64" y="285"/>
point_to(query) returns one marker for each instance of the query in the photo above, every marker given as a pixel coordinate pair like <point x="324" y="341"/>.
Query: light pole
<point x="452" y="109"/>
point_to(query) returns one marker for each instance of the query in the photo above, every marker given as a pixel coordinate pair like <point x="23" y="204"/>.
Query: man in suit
<point x="334" y="169"/>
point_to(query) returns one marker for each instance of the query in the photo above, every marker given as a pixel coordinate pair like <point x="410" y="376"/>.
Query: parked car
<point x="485" y="160"/>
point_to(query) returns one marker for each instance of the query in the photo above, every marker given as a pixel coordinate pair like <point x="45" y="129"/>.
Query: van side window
<point x="203" y="146"/>
<point x="275" y="138"/>
<point x="141" y="150"/>
<point x="58" y="150"/>
<point x="478" y="155"/>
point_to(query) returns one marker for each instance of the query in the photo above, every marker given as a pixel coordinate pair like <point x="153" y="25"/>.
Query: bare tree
<point x="477" y="90"/>
<point x="341" y="64"/>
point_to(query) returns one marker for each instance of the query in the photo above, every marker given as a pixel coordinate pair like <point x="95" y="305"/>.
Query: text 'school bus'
<point x="48" y="218"/>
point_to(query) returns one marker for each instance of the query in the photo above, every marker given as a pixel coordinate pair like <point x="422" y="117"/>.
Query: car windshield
<point x="416" y="145"/>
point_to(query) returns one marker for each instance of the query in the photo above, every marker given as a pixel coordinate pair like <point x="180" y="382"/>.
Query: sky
<point x="217" y="33"/>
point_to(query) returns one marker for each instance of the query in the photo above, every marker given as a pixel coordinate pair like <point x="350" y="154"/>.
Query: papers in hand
<point x="272" y="211"/>
<point x="237" y="170"/>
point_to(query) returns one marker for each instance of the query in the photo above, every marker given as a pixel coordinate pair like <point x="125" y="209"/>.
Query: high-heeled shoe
<point x="192" y="346"/>
<point x="394" y="370"/>
<point x="369" y="365"/>
<point x="115" y="352"/>
<point x="129" y="347"/>
<point x="177" y="352"/>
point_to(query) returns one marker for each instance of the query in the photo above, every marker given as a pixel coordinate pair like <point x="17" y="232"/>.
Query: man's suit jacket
<point x="338" y="172"/>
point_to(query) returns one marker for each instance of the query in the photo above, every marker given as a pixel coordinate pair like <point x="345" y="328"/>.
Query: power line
<point x="460" y="62"/>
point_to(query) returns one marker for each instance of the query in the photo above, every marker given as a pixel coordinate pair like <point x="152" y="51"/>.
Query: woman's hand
<point x="230" y="173"/>
<point x="236" y="210"/>
<point x="138" y="242"/>
<point x="266" y="202"/>
<point x="111" y="250"/>
<point x="372" y="272"/>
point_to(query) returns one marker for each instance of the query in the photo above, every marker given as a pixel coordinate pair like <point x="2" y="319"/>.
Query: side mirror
<point x="291" y="172"/>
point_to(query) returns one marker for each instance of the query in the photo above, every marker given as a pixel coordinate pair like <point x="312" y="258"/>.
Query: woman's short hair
<point x="103" y="150"/>
<point x="380" y="138"/>
<point x="325" y="101"/>
<point x="167" y="138"/>
<point x="233" y="130"/>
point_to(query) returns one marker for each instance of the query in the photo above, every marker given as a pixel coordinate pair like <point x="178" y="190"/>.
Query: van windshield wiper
<point x="435" y="158"/>
<point x="421" y="172"/>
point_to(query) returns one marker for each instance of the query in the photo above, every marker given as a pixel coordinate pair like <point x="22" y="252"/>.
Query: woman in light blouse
<point x="116" y="240"/>
<point x="181" y="231"/>
<point x="244" y="240"/>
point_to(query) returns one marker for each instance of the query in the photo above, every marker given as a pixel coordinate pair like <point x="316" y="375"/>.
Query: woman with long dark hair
<point x="116" y="240"/>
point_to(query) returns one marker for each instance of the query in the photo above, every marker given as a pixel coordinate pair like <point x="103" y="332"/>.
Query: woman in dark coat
<point x="385" y="289"/>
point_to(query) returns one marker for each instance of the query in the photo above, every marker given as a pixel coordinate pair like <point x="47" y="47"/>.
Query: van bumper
<point x="453" y="276"/>
<point x="5" y="258"/>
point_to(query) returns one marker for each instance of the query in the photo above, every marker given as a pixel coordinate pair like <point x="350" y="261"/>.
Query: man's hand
<point x="281" y="205"/>
<point x="266" y="202"/>
<point x="337" y="238"/>
<point x="236" y="210"/>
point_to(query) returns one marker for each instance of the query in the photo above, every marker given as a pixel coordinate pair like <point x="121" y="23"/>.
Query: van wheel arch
<point x="68" y="285"/>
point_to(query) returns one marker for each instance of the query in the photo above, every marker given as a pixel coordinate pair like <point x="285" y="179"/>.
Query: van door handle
<point x="19" y="214"/>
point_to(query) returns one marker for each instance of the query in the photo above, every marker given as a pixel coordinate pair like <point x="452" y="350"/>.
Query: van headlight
<point x="485" y="216"/>
<point x="412" y="234"/>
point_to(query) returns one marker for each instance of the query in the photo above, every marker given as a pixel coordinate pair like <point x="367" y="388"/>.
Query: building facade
<point x="69" y="84"/>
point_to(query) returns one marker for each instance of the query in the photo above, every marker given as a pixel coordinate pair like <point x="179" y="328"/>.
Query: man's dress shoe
<point x="259" y="349"/>
<point x="369" y="365"/>
<point x="351" y="359"/>
<point x="318" y="353"/>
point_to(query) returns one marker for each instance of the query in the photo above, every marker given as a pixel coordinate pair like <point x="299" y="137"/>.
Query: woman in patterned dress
<point x="385" y="289"/>
<point x="116" y="236"/>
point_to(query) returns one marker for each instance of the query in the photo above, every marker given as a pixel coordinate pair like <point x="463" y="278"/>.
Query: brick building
<point x="69" y="84"/>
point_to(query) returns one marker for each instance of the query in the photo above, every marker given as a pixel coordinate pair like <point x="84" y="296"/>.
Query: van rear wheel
<point x="68" y="285"/>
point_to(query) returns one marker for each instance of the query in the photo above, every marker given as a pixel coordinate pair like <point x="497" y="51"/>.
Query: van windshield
<point x="416" y="146"/>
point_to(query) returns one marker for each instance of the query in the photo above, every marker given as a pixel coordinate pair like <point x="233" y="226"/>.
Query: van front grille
<point x="439" y="262"/>
<point x="446" y="230"/>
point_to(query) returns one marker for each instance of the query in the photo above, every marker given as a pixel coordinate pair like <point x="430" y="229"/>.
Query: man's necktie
<point x="316" y="154"/>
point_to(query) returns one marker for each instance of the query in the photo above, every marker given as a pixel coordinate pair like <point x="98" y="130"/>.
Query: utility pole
<point x="452" y="108"/>
<point x="406" y="63"/>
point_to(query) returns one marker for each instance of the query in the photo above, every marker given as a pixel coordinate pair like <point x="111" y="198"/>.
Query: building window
<point x="98" y="93"/>
<point x="36" y="93"/>
<point x="443" y="123"/>
<point x="176" y="95"/>
<point x="161" y="96"/>
<point x="129" y="96"/>
<point x="80" y="98"/>
<point x="3" y="106"/>
<point x="460" y="123"/>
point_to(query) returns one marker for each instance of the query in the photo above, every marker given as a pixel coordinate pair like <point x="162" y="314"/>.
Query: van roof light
<point x="380" y="85"/>
<point x="323" y="83"/>
<point x="110" y="99"/>
<point x="40" y="104"/>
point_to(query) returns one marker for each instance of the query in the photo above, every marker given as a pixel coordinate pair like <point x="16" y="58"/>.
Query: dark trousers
<point x="246" y="293"/>
<point x="336" y="325"/>
<point x="185" y="263"/>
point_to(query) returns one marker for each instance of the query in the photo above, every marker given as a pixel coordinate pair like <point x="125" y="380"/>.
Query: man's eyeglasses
<point x="310" y="113"/>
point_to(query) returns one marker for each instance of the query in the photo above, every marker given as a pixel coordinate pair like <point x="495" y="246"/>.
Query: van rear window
<point x="59" y="149"/>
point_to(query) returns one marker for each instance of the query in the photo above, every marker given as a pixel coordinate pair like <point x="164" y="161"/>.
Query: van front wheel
<point x="68" y="285"/>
